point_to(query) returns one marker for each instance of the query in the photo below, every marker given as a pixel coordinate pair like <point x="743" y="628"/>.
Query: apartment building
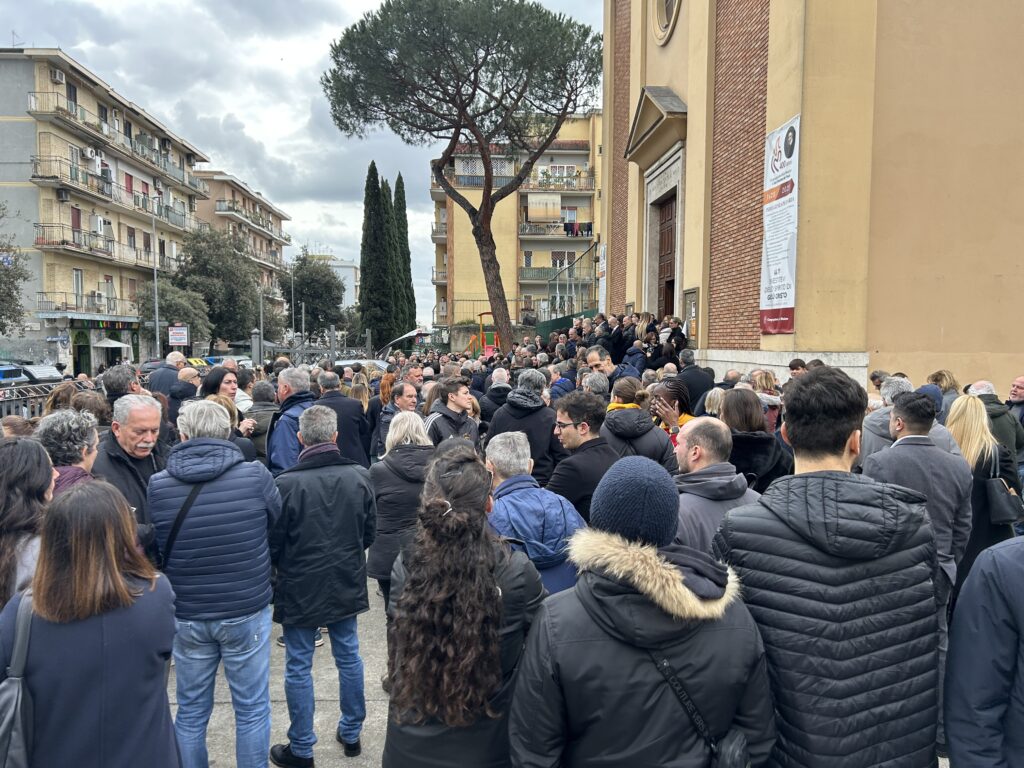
<point x="347" y="271"/>
<point x="100" y="195"/>
<point x="232" y="206"/>
<point x="547" y="234"/>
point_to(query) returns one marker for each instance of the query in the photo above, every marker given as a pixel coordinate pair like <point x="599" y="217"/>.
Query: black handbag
<point x="15" y="701"/>
<point x="728" y="752"/>
<point x="1004" y="505"/>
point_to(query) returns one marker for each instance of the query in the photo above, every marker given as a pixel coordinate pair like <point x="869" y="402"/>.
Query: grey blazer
<point x="946" y="481"/>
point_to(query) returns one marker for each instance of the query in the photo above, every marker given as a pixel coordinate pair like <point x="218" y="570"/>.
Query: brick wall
<point x="741" y="80"/>
<point x="616" y="226"/>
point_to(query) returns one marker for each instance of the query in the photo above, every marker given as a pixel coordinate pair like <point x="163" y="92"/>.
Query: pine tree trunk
<point x="495" y="288"/>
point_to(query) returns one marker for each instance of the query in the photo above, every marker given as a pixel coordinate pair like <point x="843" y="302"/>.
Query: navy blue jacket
<point x="283" y="441"/>
<point x="635" y="357"/>
<point x="562" y="387"/>
<point x="544" y="522"/>
<point x="622" y="370"/>
<point x="163" y="378"/>
<point x="984" y="699"/>
<point x="220" y="565"/>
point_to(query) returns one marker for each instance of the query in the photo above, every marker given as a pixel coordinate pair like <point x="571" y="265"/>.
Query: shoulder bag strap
<point x="995" y="461"/>
<point x="665" y="668"/>
<point x="22" y="628"/>
<point x="182" y="514"/>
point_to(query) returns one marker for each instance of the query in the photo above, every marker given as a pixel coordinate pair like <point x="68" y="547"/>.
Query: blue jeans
<point x="298" y="683"/>
<point x="243" y="644"/>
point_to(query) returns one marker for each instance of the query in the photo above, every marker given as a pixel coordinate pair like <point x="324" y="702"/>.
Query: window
<point x="133" y="287"/>
<point x="129" y="183"/>
<point x="77" y="282"/>
<point x="147" y="242"/>
<point x="144" y="188"/>
<point x="72" y="93"/>
<point x="130" y="236"/>
<point x="74" y="154"/>
<point x="128" y="129"/>
<point x="563" y="170"/>
<point x="568" y="215"/>
<point x="163" y="248"/>
<point x="103" y="113"/>
<point x="76" y="218"/>
<point x="527" y="258"/>
<point x="665" y="16"/>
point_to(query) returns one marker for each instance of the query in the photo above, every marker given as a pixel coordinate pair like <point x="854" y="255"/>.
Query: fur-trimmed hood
<point x="644" y="595"/>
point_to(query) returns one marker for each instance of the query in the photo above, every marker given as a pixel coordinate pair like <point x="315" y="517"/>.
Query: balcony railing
<point x="439" y="229"/>
<point x="536" y="274"/>
<point x="557" y="229"/>
<point x="438" y="275"/>
<point x="58" y="104"/>
<point x="65" y="236"/>
<point x="581" y="183"/>
<point x="199" y="185"/>
<point x="472" y="180"/>
<point x="271" y="256"/>
<point x="94" y="302"/>
<point x="263" y="222"/>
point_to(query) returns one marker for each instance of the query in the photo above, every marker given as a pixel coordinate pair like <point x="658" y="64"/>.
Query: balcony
<point x="94" y="303"/>
<point x="200" y="186"/>
<point x="471" y="180"/>
<point x="438" y="276"/>
<point x="440" y="316"/>
<point x="578" y="183"/>
<point x="439" y="232"/>
<point x="241" y="213"/>
<point x="51" y="106"/>
<point x="584" y="229"/>
<point x="536" y="274"/>
<point x="270" y="257"/>
<point x="63" y="238"/>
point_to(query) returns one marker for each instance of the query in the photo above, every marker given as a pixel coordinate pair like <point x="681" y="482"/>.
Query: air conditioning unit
<point x="97" y="224"/>
<point x="153" y="143"/>
<point x="165" y="145"/>
<point x="57" y="76"/>
<point x="100" y="155"/>
<point x="190" y="160"/>
<point x="90" y="153"/>
<point x="63" y="195"/>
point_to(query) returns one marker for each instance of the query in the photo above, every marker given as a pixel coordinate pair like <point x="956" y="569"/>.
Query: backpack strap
<point x="22" y="629"/>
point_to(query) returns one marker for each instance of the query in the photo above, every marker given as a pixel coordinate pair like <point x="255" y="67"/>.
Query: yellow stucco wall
<point x="948" y="178"/>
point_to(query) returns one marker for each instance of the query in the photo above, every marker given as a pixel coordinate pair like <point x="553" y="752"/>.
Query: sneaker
<point x="281" y="754"/>
<point x="385" y="683"/>
<point x="318" y="640"/>
<point x="353" y="749"/>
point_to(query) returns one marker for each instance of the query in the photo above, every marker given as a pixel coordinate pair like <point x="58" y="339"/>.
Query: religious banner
<point x="780" y="215"/>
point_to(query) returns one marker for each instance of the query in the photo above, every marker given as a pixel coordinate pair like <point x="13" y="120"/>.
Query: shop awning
<point x="111" y="344"/>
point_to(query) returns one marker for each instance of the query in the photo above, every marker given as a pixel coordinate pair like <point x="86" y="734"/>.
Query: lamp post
<point x="156" y="292"/>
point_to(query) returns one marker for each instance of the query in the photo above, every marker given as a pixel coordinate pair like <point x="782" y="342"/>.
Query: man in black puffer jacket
<point x="837" y="571"/>
<point x="496" y="394"/>
<point x="524" y="411"/>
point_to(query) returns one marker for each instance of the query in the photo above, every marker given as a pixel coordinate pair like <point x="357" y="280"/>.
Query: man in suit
<point x="916" y="462"/>
<point x="353" y="430"/>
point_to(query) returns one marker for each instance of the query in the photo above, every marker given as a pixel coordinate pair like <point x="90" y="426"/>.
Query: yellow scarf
<point x="622" y="406"/>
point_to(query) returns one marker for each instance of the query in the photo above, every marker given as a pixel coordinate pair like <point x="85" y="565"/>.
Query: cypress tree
<point x="374" y="289"/>
<point x="391" y="242"/>
<point x="404" y="254"/>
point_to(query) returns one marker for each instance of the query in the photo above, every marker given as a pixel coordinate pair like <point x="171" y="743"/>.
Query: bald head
<point x="703" y="442"/>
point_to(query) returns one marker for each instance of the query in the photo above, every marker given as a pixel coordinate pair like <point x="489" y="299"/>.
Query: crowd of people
<point x="591" y="552"/>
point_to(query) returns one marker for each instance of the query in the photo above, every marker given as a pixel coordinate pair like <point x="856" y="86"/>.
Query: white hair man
<point x="166" y="376"/>
<point x="328" y="520"/>
<point x="1005" y="427"/>
<point x="526" y="512"/>
<point x="129" y="454"/>
<point x="294" y="395"/>
<point x="875" y="434"/>
<point x="496" y="395"/>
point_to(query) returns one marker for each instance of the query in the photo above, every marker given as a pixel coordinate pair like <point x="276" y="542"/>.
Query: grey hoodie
<point x="704" y="498"/>
<point x="875" y="435"/>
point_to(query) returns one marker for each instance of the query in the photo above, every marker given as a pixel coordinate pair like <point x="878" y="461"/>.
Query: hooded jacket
<point x="493" y="400"/>
<point x="397" y="482"/>
<point x="180" y="392"/>
<point x="875" y="435"/>
<point x="759" y="457"/>
<point x="283" y="440"/>
<point x="588" y="692"/>
<point x="622" y="370"/>
<point x="1005" y="428"/>
<point x="525" y="412"/>
<point x="220" y="565"/>
<point x="561" y="388"/>
<point x="704" y="497"/>
<point x="443" y="423"/>
<point x="636" y="358"/>
<point x="837" y="572"/>
<point x="543" y="521"/>
<point x="630" y="431"/>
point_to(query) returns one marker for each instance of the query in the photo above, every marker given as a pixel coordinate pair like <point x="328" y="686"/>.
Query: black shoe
<point x="280" y="641"/>
<point x="281" y="754"/>
<point x="351" y="750"/>
<point x="318" y="640"/>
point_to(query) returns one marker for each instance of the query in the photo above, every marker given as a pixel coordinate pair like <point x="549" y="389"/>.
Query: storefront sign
<point x="177" y="335"/>
<point x="780" y="215"/>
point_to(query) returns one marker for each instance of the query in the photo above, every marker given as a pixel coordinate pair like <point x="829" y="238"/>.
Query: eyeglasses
<point x="560" y="425"/>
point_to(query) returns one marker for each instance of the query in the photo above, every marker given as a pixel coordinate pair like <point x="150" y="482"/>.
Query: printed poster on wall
<point x="780" y="215"/>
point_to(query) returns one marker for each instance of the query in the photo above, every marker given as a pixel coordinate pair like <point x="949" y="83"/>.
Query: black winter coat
<point x="493" y="400"/>
<point x="443" y="423"/>
<point x="759" y="457"/>
<point x="588" y="693"/>
<point x="524" y="411"/>
<point x="696" y="380"/>
<point x="163" y="379"/>
<point x="353" y="429"/>
<point x="397" y="482"/>
<point x="576" y="477"/>
<point x="131" y="477"/>
<point x="837" y="571"/>
<point x="328" y="519"/>
<point x="484" y="744"/>
<point x="631" y="432"/>
<point x="180" y="392"/>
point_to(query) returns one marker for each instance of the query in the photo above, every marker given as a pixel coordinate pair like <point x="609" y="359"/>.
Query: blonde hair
<point x="228" y="404"/>
<point x="764" y="381"/>
<point x="406" y="429"/>
<point x="713" y="401"/>
<point x="968" y="424"/>
<point x="945" y="381"/>
<point x="361" y="392"/>
<point x="474" y="409"/>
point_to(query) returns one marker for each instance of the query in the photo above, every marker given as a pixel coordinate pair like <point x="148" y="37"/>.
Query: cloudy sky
<point x="240" y="79"/>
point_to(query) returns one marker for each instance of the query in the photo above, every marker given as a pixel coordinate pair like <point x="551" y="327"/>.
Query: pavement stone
<point x="220" y="735"/>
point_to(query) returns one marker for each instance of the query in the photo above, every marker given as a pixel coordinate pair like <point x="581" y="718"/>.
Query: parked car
<point x="42" y="374"/>
<point x="11" y="374"/>
<point x="150" y="365"/>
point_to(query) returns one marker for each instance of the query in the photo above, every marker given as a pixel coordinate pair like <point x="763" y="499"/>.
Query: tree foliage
<point x="408" y="303"/>
<point x="13" y="275"/>
<point x="319" y="288"/>
<point x="215" y="266"/>
<point x="494" y="74"/>
<point x="375" y="309"/>
<point x="394" y="270"/>
<point x="177" y="305"/>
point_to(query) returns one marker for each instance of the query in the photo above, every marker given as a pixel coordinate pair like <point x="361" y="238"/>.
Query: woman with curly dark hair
<point x="461" y="604"/>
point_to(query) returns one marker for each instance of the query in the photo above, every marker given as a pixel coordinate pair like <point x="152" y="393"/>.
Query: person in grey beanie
<point x="590" y="685"/>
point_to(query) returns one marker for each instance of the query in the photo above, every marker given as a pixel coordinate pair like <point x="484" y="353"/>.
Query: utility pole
<point x="260" y="361"/>
<point x="303" y="325"/>
<point x="156" y="292"/>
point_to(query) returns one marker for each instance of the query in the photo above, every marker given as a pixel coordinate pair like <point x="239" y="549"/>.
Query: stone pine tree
<point x="493" y="76"/>
<point x="374" y="288"/>
<point x="404" y="255"/>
